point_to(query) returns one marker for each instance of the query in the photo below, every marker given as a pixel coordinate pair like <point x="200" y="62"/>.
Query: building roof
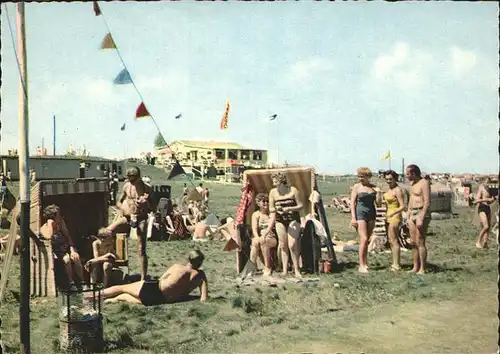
<point x="210" y="145"/>
<point x="63" y="157"/>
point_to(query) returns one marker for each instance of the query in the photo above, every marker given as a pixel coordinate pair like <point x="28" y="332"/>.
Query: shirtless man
<point x="177" y="282"/>
<point x="62" y="244"/>
<point x="135" y="202"/>
<point x="201" y="231"/>
<point x="483" y="201"/>
<point x="418" y="216"/>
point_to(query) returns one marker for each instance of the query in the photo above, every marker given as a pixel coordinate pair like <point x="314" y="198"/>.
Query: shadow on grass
<point x="341" y="266"/>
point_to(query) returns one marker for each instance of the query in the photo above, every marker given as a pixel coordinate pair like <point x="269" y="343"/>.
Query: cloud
<point x="306" y="70"/>
<point x="462" y="61"/>
<point x="403" y="67"/>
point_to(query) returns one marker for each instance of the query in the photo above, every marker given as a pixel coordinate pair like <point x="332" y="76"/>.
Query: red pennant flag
<point x="97" y="9"/>
<point x="142" y="111"/>
<point x="223" y="122"/>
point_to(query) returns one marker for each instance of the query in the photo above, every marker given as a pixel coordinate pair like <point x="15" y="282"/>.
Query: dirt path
<point x="463" y="325"/>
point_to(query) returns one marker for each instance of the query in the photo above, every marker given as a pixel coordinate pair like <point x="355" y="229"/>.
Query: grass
<point x="450" y="310"/>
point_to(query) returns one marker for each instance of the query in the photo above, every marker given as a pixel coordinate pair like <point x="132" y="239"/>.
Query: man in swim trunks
<point x="418" y="216"/>
<point x="177" y="282"/>
<point x="135" y="202"/>
<point x="483" y="201"/>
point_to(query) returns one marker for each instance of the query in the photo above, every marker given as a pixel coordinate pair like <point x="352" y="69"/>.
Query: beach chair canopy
<point x="301" y="178"/>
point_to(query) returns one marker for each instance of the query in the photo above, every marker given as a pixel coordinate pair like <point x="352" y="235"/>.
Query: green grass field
<point x="452" y="309"/>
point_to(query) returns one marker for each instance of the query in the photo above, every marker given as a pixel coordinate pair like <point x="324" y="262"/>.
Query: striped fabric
<point x="73" y="187"/>
<point x="301" y="178"/>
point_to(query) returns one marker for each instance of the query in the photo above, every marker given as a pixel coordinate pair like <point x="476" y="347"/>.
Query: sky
<point x="348" y="80"/>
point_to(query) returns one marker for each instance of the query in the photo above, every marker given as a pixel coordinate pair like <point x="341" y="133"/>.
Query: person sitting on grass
<point x="104" y="252"/>
<point x="63" y="247"/>
<point x="174" y="285"/>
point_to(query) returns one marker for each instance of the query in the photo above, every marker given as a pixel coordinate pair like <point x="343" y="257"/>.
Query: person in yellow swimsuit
<point x="395" y="206"/>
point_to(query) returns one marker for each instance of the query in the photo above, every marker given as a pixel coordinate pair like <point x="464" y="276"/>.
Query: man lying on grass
<point x="176" y="283"/>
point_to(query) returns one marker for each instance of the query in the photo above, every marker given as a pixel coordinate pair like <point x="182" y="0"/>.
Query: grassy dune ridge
<point x="450" y="310"/>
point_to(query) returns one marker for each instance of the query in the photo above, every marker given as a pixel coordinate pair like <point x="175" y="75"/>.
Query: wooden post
<point x="24" y="183"/>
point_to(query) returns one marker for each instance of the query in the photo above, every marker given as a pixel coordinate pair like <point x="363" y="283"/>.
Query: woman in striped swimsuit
<point x="284" y="205"/>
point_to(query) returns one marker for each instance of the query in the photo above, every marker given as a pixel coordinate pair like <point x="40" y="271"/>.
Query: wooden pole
<point x="24" y="182"/>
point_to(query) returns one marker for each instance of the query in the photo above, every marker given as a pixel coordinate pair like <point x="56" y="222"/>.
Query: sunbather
<point x="177" y="282"/>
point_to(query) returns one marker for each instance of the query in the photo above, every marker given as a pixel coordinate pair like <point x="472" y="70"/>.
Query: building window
<point x="233" y="154"/>
<point x="257" y="155"/>
<point x="101" y="167"/>
<point x="219" y="154"/>
<point x="245" y="154"/>
<point x="188" y="156"/>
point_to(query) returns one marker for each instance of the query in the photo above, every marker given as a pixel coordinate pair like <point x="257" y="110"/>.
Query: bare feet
<point x="414" y="270"/>
<point x="478" y="245"/>
<point x="395" y="267"/>
<point x="363" y="270"/>
<point x="421" y="272"/>
<point x="298" y="275"/>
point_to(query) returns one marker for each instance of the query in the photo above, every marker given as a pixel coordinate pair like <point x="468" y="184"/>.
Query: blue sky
<point x="348" y="80"/>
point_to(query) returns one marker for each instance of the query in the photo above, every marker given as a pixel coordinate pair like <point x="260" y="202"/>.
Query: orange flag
<point x="108" y="42"/>
<point x="141" y="111"/>
<point x="223" y="122"/>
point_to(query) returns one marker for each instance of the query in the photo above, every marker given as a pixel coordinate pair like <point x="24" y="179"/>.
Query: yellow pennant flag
<point x="108" y="42"/>
<point x="387" y="156"/>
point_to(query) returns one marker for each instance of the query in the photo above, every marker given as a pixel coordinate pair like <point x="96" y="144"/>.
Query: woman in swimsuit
<point x="264" y="237"/>
<point x="483" y="201"/>
<point x="284" y="205"/>
<point x="363" y="213"/>
<point x="395" y="206"/>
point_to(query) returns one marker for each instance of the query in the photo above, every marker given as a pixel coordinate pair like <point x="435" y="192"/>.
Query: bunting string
<point x="23" y="84"/>
<point x="124" y="77"/>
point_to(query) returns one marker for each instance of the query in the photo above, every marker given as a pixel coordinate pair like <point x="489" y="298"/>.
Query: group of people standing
<point x="365" y="197"/>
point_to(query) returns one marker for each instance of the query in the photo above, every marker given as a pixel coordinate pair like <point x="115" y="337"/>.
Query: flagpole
<point x="54" y="135"/>
<point x="24" y="192"/>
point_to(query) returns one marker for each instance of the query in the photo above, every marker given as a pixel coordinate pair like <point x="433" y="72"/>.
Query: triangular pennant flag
<point x="123" y="127"/>
<point x="97" y="9"/>
<point x="123" y="78"/>
<point x="273" y="117"/>
<point x="194" y="195"/>
<point x="141" y="111"/>
<point x="178" y="116"/>
<point x="108" y="42"/>
<point x="176" y="171"/>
